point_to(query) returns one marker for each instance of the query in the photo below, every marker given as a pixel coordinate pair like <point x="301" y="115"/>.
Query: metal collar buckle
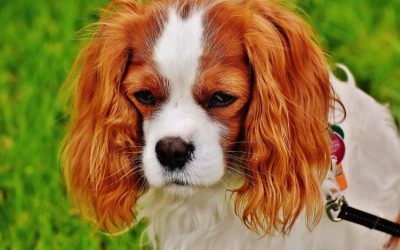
<point x="334" y="206"/>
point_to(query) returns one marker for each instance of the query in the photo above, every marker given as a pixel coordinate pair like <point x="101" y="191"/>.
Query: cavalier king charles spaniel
<point x="210" y="119"/>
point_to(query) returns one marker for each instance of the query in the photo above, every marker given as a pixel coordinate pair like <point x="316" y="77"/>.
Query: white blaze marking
<point x="179" y="48"/>
<point x="176" y="54"/>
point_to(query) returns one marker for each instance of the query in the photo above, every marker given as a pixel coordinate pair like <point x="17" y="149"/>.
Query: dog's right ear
<point x="100" y="152"/>
<point x="287" y="121"/>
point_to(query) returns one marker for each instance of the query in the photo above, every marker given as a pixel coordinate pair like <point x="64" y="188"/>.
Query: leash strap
<point x="338" y="210"/>
<point x="368" y="220"/>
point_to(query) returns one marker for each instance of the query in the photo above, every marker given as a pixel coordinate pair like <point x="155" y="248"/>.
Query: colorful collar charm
<point x="338" y="149"/>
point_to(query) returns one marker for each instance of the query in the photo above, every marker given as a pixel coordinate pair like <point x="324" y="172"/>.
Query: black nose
<point x="173" y="152"/>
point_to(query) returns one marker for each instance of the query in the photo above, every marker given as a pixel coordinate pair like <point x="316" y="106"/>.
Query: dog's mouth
<point x="178" y="182"/>
<point x="181" y="183"/>
<point x="179" y="179"/>
<point x="181" y="188"/>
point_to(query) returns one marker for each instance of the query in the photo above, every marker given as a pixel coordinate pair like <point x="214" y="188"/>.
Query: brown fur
<point x="258" y="51"/>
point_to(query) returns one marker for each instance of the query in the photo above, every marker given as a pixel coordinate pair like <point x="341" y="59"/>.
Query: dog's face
<point x="176" y="94"/>
<point x="190" y="88"/>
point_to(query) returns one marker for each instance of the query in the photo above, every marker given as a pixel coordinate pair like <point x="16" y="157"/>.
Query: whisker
<point x="241" y="173"/>
<point x="130" y="147"/>
<point x="243" y="152"/>
<point x="239" y="142"/>
<point x="238" y="159"/>
<point x="123" y="167"/>
<point x="241" y="166"/>
<point x="126" y="175"/>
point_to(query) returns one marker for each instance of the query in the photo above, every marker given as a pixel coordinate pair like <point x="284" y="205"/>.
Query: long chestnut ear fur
<point x="101" y="148"/>
<point x="287" y="141"/>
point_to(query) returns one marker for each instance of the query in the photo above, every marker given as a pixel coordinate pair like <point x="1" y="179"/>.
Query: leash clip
<point x="334" y="206"/>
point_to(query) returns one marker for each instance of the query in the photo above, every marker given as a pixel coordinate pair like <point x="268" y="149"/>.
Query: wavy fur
<point x="278" y="129"/>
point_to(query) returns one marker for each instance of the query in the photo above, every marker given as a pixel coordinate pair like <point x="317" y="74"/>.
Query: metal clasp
<point x="334" y="206"/>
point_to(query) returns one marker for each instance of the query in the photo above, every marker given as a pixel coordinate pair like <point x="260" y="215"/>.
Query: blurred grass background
<point x="38" y="43"/>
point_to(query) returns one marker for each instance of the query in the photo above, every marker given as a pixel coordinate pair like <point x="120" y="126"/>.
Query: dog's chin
<point x="181" y="189"/>
<point x="184" y="189"/>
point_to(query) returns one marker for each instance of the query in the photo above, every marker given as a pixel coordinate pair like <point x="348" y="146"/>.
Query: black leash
<point x="338" y="210"/>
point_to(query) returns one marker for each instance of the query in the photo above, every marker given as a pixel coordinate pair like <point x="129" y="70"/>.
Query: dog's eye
<point x="221" y="99"/>
<point x="145" y="97"/>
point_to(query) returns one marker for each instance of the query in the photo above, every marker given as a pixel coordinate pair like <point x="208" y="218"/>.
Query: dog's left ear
<point x="287" y="140"/>
<point x="101" y="151"/>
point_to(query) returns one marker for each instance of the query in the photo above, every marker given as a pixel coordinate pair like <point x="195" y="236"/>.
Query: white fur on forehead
<point x="178" y="50"/>
<point x="176" y="54"/>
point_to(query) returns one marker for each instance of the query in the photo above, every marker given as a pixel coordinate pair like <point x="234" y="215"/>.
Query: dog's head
<point x="177" y="94"/>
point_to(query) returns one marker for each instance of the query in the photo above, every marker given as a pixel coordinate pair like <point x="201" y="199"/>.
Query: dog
<point x="210" y="119"/>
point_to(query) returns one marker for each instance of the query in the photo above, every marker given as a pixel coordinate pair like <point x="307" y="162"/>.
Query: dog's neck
<point x="206" y="220"/>
<point x="201" y="220"/>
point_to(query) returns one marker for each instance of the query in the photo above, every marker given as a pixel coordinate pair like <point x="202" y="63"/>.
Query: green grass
<point x="365" y="36"/>
<point x="38" y="43"/>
